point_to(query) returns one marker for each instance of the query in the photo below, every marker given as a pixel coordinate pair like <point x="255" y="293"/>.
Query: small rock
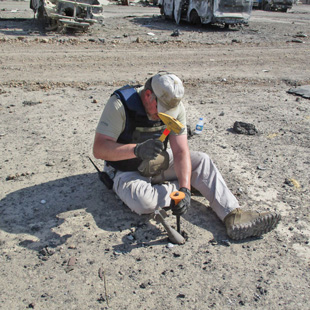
<point x="11" y="177"/>
<point x="225" y="242"/>
<point x="261" y="168"/>
<point x="245" y="128"/>
<point x="50" y="164"/>
<point x="297" y="41"/>
<point x="175" y="33"/>
<point x="130" y="237"/>
<point x="71" y="261"/>
<point x="170" y="245"/>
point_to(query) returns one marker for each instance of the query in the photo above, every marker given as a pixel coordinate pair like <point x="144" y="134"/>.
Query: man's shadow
<point x="39" y="209"/>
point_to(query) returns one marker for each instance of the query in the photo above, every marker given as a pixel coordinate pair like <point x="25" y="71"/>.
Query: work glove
<point x="184" y="204"/>
<point x="148" y="149"/>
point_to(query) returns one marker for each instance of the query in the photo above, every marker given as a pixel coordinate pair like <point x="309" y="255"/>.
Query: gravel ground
<point x="68" y="243"/>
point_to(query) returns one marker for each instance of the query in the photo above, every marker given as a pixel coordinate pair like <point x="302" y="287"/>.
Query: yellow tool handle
<point x="164" y="135"/>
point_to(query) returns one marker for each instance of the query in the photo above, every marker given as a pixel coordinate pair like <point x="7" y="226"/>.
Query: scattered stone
<point x="213" y="242"/>
<point x="170" y="245"/>
<point x="175" y="33"/>
<point x="245" y="128"/>
<point x="116" y="253"/>
<point x="101" y="299"/>
<point x="261" y="168"/>
<point x="300" y="35"/>
<point x="225" y="242"/>
<point x="292" y="183"/>
<point x="297" y="41"/>
<point x="10" y="177"/>
<point x="130" y="237"/>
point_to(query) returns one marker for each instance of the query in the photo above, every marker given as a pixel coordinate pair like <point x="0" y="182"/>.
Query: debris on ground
<point x="303" y="91"/>
<point x="245" y="128"/>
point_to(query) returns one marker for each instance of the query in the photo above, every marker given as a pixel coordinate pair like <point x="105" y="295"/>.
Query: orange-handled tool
<point x="177" y="196"/>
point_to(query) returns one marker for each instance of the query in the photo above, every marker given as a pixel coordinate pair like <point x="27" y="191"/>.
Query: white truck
<point x="225" y="12"/>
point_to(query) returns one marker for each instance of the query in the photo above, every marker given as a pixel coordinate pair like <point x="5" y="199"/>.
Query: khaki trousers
<point x="145" y="194"/>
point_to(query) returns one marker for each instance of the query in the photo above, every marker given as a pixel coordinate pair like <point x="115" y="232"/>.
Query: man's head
<point x="168" y="90"/>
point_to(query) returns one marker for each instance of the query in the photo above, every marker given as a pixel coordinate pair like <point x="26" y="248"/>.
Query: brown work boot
<point x="243" y="224"/>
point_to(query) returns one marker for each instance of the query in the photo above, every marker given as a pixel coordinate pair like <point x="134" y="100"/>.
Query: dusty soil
<point x="68" y="243"/>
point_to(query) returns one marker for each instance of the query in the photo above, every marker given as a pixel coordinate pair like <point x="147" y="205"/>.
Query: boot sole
<point x="256" y="228"/>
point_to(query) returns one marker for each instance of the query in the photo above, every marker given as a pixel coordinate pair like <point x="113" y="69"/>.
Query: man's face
<point x="150" y="105"/>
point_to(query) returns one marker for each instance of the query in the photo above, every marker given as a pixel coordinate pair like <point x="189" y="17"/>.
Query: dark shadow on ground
<point x="21" y="26"/>
<point x="39" y="209"/>
<point x="160" y="23"/>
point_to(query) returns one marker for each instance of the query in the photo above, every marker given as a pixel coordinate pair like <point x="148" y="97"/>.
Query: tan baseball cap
<point x="169" y="90"/>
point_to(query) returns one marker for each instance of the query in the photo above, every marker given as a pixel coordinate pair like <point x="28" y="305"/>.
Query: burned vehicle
<point x="224" y="12"/>
<point x="62" y="14"/>
<point x="273" y="5"/>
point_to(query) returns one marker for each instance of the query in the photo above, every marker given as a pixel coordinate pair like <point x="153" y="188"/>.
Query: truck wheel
<point x="194" y="18"/>
<point x="267" y="7"/>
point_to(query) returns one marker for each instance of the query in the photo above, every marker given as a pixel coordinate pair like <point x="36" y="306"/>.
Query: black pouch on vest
<point x="153" y="167"/>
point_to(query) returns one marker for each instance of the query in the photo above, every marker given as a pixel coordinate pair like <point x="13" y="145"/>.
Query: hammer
<point x="172" y="125"/>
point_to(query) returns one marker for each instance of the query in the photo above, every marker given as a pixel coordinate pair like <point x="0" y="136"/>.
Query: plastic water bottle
<point x="199" y="126"/>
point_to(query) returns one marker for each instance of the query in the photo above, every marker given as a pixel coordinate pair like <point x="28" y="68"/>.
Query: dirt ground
<point x="66" y="242"/>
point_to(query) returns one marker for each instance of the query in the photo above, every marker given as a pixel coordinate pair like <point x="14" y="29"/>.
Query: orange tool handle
<point x="177" y="196"/>
<point x="164" y="135"/>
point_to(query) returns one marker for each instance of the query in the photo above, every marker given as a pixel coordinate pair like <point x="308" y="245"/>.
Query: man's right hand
<point x="148" y="149"/>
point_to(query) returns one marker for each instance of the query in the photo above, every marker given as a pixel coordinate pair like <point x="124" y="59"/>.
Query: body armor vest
<point x="138" y="127"/>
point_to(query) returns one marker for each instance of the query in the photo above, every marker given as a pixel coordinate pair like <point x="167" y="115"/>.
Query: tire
<point x="194" y="18"/>
<point x="267" y="6"/>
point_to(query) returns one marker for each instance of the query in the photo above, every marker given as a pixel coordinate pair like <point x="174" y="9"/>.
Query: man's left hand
<point x="184" y="204"/>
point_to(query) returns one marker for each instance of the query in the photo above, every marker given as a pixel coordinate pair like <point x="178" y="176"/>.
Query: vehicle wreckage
<point x="197" y="12"/>
<point x="63" y="14"/>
